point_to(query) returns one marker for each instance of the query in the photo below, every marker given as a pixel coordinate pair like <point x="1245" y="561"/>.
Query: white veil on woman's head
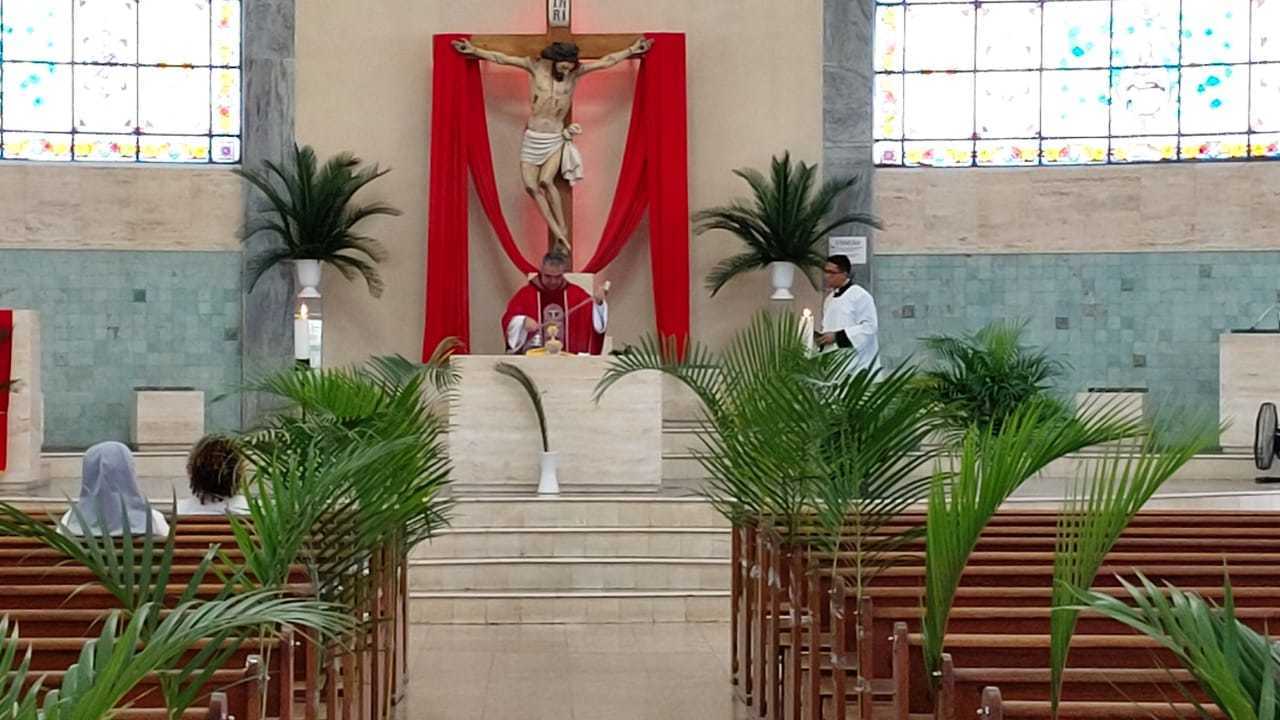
<point x="109" y="495"/>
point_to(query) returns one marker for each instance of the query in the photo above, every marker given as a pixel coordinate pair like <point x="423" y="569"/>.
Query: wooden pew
<point x="31" y="571"/>
<point x="764" y="613"/>
<point x="994" y="707"/>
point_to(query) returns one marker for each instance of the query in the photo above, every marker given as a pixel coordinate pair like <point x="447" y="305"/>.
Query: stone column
<point x="847" y="89"/>
<point x="267" y="328"/>
<point x="26" y="408"/>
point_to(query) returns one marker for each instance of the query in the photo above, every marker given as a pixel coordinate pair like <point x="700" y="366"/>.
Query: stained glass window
<point x="120" y="80"/>
<point x="963" y="83"/>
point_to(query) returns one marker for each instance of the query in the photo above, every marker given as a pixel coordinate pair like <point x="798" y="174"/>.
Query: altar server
<point x="848" y="315"/>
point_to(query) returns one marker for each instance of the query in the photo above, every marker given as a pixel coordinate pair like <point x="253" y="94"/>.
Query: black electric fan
<point x="1266" y="437"/>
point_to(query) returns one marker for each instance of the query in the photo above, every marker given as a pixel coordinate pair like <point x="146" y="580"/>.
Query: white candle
<point x="314" y="338"/>
<point x="301" y="335"/>
<point x="806" y="330"/>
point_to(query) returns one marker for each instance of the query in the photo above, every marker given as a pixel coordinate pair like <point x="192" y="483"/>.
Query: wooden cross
<point x="590" y="47"/>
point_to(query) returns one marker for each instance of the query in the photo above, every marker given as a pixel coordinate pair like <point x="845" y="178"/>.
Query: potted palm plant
<point x="981" y="378"/>
<point x="782" y="225"/>
<point x="548" y="481"/>
<point x="312" y="214"/>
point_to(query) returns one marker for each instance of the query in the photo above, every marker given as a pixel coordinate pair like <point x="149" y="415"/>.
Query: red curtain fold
<point x="654" y="175"/>
<point x="6" y="375"/>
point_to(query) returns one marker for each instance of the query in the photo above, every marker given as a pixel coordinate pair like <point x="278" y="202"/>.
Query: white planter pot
<point x="307" y="273"/>
<point x="548" y="482"/>
<point x="782" y="275"/>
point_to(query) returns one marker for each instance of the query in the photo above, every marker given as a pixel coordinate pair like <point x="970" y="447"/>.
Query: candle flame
<point x="303" y="313"/>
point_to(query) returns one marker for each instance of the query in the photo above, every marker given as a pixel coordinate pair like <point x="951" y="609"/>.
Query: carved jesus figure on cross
<point x="547" y="150"/>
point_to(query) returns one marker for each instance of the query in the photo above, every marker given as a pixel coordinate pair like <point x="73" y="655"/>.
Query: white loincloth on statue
<point x="538" y="147"/>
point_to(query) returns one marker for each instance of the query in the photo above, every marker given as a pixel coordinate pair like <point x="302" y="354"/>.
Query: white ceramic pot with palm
<point x="548" y="460"/>
<point x="549" y="481"/>
<point x="783" y="275"/>
<point x="307" y="273"/>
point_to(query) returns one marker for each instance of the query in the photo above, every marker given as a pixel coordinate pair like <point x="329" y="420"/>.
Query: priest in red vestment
<point x="550" y="299"/>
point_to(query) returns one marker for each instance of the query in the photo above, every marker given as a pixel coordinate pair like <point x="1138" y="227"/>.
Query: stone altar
<point x="166" y="418"/>
<point x="26" y="407"/>
<point x="1247" y="377"/>
<point x="611" y="447"/>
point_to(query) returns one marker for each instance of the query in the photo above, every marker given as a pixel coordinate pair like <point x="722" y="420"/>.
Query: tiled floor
<point x="563" y="672"/>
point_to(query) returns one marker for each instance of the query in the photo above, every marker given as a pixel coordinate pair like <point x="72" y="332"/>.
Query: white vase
<point x="548" y="482"/>
<point x="307" y="273"/>
<point x="782" y="274"/>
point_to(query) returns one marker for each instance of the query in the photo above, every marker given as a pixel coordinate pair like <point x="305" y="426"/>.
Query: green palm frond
<point x="784" y="434"/>
<point x="1096" y="512"/>
<point x="785" y="220"/>
<point x="356" y="466"/>
<point x="699" y="370"/>
<point x="980" y="378"/>
<point x="796" y="442"/>
<point x="124" y="653"/>
<point x="311" y="216"/>
<point x="16" y="702"/>
<point x="990" y="466"/>
<point x="152" y="640"/>
<point x="731" y="267"/>
<point x="1234" y="665"/>
<point x="535" y="396"/>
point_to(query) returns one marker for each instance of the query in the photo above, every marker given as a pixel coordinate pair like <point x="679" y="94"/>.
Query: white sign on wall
<point x="853" y="246"/>
<point x="558" y="13"/>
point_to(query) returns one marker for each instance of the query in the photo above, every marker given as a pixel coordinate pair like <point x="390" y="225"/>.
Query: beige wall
<point x="364" y="82"/>
<point x="1185" y="206"/>
<point x="95" y="207"/>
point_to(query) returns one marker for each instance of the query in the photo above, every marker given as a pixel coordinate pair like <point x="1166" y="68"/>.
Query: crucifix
<point x="555" y="60"/>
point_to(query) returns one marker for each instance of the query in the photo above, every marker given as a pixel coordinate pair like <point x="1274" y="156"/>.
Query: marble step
<point x="575" y="607"/>
<point x="585" y="511"/>
<point x="681" y="468"/>
<point x="558" y="574"/>
<point x="681" y="439"/>
<point x="576" y="542"/>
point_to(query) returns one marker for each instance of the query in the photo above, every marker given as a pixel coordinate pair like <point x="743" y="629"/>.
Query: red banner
<point x="6" y="376"/>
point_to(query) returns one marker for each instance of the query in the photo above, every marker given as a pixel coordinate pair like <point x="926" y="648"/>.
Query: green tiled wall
<point x="1120" y="320"/>
<point x="115" y="320"/>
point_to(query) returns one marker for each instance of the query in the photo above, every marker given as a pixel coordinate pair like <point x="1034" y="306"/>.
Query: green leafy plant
<point x="982" y="377"/>
<point x="312" y="215"/>
<point x="986" y="470"/>
<point x="804" y="444"/>
<point x="346" y="479"/>
<point x="1235" y="666"/>
<point x="355" y="465"/>
<point x="749" y="477"/>
<point x="1097" y="511"/>
<point x="535" y="396"/>
<point x="787" y="217"/>
<point x="799" y="439"/>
